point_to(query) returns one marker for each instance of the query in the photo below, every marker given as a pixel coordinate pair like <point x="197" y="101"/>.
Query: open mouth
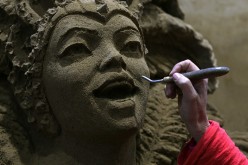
<point x="116" y="89"/>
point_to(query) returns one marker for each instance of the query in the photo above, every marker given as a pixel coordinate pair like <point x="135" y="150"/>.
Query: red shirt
<point x="214" y="148"/>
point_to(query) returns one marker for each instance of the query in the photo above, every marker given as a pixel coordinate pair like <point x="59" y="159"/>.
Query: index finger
<point x="184" y="66"/>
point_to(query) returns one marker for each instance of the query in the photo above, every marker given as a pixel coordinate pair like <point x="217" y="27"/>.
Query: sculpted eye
<point x="132" y="48"/>
<point x="75" y="50"/>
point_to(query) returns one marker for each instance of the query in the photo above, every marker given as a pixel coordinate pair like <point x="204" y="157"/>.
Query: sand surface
<point x="224" y="24"/>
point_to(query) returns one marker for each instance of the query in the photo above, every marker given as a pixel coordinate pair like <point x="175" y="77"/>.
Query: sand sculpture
<point x="70" y="88"/>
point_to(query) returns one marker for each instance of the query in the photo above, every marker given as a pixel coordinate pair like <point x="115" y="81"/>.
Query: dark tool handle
<point x="202" y="74"/>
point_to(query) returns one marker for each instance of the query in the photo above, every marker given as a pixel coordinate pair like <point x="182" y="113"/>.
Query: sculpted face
<point x="91" y="75"/>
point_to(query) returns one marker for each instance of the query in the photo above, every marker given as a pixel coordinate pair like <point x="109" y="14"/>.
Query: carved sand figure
<point x="74" y="93"/>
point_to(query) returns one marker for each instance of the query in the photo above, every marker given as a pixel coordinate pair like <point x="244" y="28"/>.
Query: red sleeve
<point x="215" y="147"/>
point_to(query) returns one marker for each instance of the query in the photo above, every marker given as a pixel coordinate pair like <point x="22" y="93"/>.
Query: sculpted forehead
<point x="94" y="26"/>
<point x="121" y="21"/>
<point x="70" y="22"/>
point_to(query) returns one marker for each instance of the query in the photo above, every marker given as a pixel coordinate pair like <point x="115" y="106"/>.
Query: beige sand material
<point x="71" y="91"/>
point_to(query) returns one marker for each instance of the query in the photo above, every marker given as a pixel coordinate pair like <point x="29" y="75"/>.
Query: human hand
<point x="192" y="98"/>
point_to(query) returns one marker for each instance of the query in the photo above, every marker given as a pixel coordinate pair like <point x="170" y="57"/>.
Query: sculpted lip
<point x="120" y="87"/>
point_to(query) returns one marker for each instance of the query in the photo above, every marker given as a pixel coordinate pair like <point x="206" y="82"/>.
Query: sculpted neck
<point x="118" y="150"/>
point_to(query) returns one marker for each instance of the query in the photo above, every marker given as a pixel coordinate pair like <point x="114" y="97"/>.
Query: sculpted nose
<point x="112" y="62"/>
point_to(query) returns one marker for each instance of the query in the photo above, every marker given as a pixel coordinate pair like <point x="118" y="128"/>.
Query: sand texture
<point x="70" y="82"/>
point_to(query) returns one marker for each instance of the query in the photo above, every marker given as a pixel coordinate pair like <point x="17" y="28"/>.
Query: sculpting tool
<point x="195" y="75"/>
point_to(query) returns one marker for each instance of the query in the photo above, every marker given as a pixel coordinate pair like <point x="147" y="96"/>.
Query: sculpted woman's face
<point x="91" y="75"/>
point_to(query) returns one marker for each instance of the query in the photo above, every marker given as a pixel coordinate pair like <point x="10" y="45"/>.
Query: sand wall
<point x="225" y="24"/>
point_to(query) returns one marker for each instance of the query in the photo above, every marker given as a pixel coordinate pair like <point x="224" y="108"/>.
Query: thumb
<point x="185" y="85"/>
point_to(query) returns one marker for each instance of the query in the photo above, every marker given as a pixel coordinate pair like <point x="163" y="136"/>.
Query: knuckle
<point x="194" y="97"/>
<point x="205" y="81"/>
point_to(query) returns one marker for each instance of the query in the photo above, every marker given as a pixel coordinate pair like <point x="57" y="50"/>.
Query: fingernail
<point x="167" y="93"/>
<point x="176" y="76"/>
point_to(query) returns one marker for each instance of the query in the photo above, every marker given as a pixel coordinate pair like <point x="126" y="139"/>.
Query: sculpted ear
<point x="170" y="40"/>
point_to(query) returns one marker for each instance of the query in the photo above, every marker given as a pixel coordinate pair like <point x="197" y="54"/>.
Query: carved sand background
<point x="224" y="24"/>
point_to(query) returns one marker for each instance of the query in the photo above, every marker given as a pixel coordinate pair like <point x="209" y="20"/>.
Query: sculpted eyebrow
<point x="127" y="28"/>
<point x="77" y="30"/>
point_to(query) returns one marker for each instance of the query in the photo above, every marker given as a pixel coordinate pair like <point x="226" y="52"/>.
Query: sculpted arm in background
<point x="192" y="102"/>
